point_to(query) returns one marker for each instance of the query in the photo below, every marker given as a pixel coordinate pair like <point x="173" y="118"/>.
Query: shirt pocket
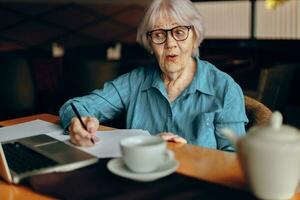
<point x="204" y="127"/>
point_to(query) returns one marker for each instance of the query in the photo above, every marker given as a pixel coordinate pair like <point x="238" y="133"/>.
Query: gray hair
<point x="182" y="11"/>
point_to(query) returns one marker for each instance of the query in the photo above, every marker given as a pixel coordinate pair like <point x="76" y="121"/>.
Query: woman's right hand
<point x="171" y="137"/>
<point x="80" y="136"/>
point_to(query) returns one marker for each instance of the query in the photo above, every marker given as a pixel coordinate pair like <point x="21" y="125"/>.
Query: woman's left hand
<point x="171" y="137"/>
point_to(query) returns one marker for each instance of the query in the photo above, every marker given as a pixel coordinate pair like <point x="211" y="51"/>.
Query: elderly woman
<point x="181" y="98"/>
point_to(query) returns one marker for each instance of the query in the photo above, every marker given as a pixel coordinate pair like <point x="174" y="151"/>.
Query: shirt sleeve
<point x="103" y="104"/>
<point x="232" y="116"/>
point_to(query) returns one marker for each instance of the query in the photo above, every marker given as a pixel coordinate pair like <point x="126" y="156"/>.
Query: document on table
<point x="107" y="147"/>
<point x="27" y="129"/>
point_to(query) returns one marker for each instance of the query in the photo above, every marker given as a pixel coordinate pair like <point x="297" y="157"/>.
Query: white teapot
<point x="270" y="158"/>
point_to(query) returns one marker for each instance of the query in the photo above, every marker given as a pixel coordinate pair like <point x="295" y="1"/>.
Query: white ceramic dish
<point x="116" y="166"/>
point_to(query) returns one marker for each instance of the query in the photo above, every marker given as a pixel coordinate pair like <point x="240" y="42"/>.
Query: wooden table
<point x="203" y="163"/>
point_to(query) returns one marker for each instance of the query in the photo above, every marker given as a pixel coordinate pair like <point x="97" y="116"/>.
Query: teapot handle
<point x="276" y="120"/>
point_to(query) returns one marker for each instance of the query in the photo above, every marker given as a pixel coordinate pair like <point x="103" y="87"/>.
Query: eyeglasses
<point x="179" y="33"/>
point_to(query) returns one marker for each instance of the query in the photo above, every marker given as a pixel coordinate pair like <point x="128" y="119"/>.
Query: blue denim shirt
<point x="212" y="101"/>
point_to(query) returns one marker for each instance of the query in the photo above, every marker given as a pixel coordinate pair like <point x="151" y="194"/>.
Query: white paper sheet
<point x="35" y="127"/>
<point x="107" y="147"/>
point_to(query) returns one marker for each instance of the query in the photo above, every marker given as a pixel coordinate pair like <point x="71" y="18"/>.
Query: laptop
<point x="39" y="154"/>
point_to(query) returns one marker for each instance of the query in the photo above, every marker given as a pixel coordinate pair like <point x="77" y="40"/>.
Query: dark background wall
<point x="42" y="83"/>
<point x="33" y="81"/>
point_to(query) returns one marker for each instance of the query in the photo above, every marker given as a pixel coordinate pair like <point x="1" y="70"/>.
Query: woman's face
<point x="173" y="56"/>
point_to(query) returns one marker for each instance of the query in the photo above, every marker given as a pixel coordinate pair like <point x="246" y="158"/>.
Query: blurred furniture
<point x="83" y="75"/>
<point x="257" y="113"/>
<point x="273" y="86"/>
<point x="48" y="76"/>
<point x="241" y="67"/>
<point x="18" y="92"/>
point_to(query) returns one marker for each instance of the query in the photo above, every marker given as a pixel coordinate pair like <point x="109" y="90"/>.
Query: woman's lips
<point x="172" y="57"/>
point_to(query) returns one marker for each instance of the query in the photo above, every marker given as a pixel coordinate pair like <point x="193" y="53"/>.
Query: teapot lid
<point x="275" y="131"/>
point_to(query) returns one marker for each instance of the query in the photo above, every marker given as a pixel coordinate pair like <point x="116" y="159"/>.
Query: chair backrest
<point x="82" y="75"/>
<point x="257" y="113"/>
<point x="274" y="85"/>
<point x="18" y="92"/>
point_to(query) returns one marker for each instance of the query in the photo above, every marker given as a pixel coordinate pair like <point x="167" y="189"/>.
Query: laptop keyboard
<point x="22" y="159"/>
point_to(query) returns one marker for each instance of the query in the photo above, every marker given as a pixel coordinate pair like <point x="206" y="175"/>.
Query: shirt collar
<point x="200" y="82"/>
<point x="153" y="79"/>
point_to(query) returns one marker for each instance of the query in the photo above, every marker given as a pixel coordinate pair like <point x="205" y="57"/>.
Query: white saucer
<point x="117" y="167"/>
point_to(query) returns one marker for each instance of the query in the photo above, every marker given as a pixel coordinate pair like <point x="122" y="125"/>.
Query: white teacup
<point x="144" y="154"/>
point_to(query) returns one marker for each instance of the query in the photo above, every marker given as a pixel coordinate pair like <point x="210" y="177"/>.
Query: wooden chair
<point x="257" y="113"/>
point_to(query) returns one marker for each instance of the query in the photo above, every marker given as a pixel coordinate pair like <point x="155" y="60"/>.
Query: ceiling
<point x="26" y="24"/>
<point x="140" y="2"/>
<point x="38" y="24"/>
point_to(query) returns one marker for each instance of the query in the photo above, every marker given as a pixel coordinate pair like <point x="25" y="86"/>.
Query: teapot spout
<point x="230" y="135"/>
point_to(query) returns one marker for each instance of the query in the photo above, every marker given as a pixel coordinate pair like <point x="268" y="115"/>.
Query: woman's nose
<point x="170" y="41"/>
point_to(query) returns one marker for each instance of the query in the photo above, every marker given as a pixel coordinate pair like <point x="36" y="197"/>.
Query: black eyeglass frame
<point x="149" y="33"/>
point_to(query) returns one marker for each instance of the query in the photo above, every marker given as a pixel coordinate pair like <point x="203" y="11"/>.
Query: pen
<point x="79" y="117"/>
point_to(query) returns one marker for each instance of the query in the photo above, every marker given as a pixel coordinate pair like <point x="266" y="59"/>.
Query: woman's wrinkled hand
<point x="171" y="137"/>
<point x="80" y="136"/>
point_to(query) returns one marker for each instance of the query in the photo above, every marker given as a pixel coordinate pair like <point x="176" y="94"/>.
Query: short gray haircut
<point x="182" y="11"/>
